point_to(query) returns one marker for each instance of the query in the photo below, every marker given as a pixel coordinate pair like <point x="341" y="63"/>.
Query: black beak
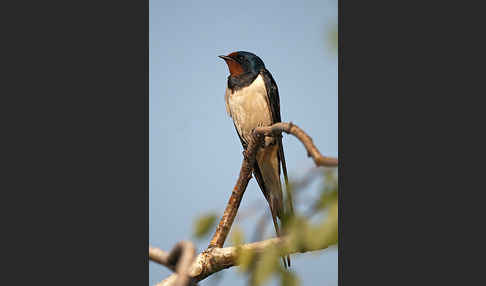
<point x="226" y="58"/>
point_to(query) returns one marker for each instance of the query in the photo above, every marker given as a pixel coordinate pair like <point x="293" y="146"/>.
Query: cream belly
<point x="249" y="107"/>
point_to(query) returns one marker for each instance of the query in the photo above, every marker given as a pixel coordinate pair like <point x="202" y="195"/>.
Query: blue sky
<point x="195" y="153"/>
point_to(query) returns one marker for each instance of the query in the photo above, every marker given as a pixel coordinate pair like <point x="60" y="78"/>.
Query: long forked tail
<point x="274" y="218"/>
<point x="267" y="173"/>
<point x="290" y="204"/>
<point x="284" y="169"/>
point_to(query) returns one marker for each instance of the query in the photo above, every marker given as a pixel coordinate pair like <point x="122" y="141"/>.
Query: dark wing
<point x="274" y="103"/>
<point x="272" y="94"/>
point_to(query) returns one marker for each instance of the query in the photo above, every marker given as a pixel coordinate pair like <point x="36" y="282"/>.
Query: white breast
<point x="248" y="107"/>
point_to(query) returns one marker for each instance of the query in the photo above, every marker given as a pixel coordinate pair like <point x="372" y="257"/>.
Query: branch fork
<point x="182" y="260"/>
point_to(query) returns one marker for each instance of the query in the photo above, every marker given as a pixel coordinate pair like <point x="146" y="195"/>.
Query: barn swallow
<point x="252" y="101"/>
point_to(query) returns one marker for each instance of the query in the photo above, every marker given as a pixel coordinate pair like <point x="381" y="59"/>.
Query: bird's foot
<point x="245" y="154"/>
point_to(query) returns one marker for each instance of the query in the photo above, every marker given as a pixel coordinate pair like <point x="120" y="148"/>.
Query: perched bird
<point x="252" y="101"/>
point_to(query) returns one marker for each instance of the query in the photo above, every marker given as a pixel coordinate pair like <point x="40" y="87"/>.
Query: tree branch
<point x="229" y="214"/>
<point x="161" y="257"/>
<point x="216" y="259"/>
<point x="180" y="259"/>
<point x="290" y="128"/>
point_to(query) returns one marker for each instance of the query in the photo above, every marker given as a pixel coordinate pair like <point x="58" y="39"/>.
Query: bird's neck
<point x="242" y="80"/>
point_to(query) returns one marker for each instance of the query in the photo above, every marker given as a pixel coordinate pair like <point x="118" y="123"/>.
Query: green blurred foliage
<point x="329" y="192"/>
<point x="302" y="233"/>
<point x="288" y="278"/>
<point x="333" y="38"/>
<point x="266" y="265"/>
<point x="237" y="236"/>
<point x="245" y="260"/>
<point x="204" y="225"/>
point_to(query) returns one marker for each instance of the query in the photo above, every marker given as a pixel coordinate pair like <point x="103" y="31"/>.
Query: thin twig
<point x="179" y="259"/>
<point x="182" y="256"/>
<point x="161" y="257"/>
<point x="290" y="128"/>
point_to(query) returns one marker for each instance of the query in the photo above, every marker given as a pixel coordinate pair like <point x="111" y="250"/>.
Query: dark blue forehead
<point x="249" y="61"/>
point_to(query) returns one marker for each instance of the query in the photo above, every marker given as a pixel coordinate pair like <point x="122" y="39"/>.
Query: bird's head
<point x="243" y="62"/>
